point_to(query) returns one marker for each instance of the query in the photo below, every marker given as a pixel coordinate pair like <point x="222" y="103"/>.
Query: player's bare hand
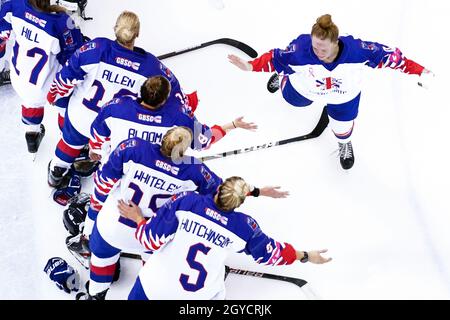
<point x="130" y="211"/>
<point x="94" y="156"/>
<point x="240" y="63"/>
<point x="240" y="123"/>
<point x="315" y="256"/>
<point x="426" y="79"/>
<point x="273" y="192"/>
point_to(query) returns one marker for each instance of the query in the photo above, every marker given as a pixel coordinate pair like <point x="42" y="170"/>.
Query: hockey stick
<point x="230" y="42"/>
<point x="296" y="281"/>
<point x="228" y="270"/>
<point x="302" y="284"/>
<point x="316" y="132"/>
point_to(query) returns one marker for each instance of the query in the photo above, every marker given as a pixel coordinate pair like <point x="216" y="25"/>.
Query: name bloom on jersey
<point x="149" y="118"/>
<point x="167" y="167"/>
<point x="216" y="216"/>
<point x="35" y="19"/>
<point x="128" y="63"/>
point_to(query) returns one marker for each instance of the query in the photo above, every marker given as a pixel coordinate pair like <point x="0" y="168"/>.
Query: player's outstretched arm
<point x="239" y="123"/>
<point x="426" y="79"/>
<point x="240" y="63"/>
<point x="273" y="192"/>
<point x="313" y="256"/>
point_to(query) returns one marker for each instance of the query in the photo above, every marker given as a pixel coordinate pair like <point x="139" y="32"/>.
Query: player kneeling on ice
<point x="327" y="68"/>
<point x="45" y="37"/>
<point x="149" y="175"/>
<point x="194" y="235"/>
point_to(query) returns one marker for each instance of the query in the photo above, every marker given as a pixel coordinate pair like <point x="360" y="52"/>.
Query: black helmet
<point x="75" y="214"/>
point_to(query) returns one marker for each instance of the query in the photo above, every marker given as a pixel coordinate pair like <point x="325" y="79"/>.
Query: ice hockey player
<point x="327" y="68"/>
<point x="202" y="230"/>
<point x="45" y="36"/>
<point x="98" y="72"/>
<point x="149" y="117"/>
<point x="149" y="175"/>
<point x="5" y="30"/>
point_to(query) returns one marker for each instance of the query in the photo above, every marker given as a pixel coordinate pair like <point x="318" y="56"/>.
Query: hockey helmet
<point x="75" y="214"/>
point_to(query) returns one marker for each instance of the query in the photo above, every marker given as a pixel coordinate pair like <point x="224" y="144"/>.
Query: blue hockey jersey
<point x="102" y="70"/>
<point x="124" y="118"/>
<point x="43" y="41"/>
<point x="194" y="237"/>
<point x="147" y="177"/>
<point x="337" y="82"/>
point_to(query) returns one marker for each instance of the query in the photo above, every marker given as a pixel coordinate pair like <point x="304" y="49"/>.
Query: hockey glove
<point x="63" y="195"/>
<point x="64" y="276"/>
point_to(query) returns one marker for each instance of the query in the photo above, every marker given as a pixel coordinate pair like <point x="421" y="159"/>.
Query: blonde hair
<point x="232" y="193"/>
<point x="127" y="27"/>
<point x="175" y="142"/>
<point x="324" y="28"/>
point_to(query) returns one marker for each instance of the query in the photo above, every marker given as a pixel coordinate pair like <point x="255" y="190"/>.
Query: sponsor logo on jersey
<point x="149" y="118"/>
<point x="252" y="223"/>
<point x="369" y="46"/>
<point x="291" y="48"/>
<point x="216" y="216"/>
<point x="166" y="71"/>
<point x="205" y="173"/>
<point x="68" y="38"/>
<point x="127" y="144"/>
<point x="88" y="46"/>
<point x="128" y="63"/>
<point x="167" y="167"/>
<point x="329" y="83"/>
<point x="35" y="19"/>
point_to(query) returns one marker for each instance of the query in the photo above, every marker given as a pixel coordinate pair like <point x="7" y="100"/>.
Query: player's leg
<point x="67" y="150"/>
<point x="32" y="116"/>
<point x="342" y="118"/>
<point x="104" y="258"/>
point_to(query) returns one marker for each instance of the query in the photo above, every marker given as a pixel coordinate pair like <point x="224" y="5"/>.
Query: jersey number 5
<point x="202" y="273"/>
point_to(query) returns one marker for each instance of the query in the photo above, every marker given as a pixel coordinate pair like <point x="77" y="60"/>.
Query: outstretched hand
<point x="240" y="63"/>
<point x="273" y="192"/>
<point x="426" y="79"/>
<point x="240" y="123"/>
<point x="316" y="257"/>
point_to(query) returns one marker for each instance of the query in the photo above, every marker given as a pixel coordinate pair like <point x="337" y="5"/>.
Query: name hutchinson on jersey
<point x="155" y="182"/>
<point x="204" y="232"/>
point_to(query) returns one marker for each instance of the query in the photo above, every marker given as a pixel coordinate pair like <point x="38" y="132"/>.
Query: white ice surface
<point x="386" y="222"/>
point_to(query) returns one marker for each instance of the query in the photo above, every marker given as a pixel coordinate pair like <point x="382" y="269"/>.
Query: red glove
<point x="192" y="101"/>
